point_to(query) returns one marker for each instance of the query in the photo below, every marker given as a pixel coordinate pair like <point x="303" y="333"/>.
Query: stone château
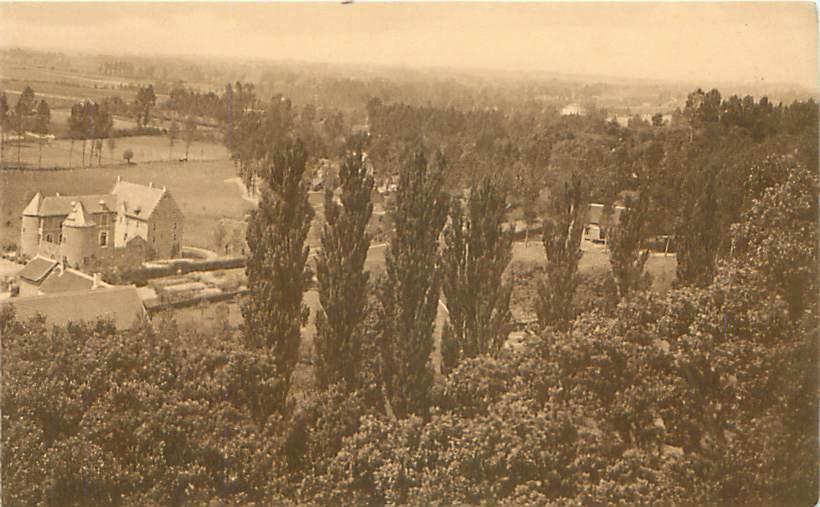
<point x="90" y="230"/>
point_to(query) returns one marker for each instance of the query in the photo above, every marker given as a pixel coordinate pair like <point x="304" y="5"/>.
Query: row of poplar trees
<point x="443" y="252"/>
<point x="376" y="333"/>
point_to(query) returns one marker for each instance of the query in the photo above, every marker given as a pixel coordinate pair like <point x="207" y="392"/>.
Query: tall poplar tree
<point x="75" y="127"/>
<point x="173" y="134"/>
<point x="341" y="275"/>
<point x="101" y="126"/>
<point x="627" y="255"/>
<point x="188" y="133"/>
<point x="698" y="233"/>
<point x="145" y="100"/>
<point x="562" y="244"/>
<point x="476" y="254"/>
<point x="4" y="123"/>
<point x="408" y="295"/>
<point x="43" y="121"/>
<point x="274" y="312"/>
<point x="22" y="112"/>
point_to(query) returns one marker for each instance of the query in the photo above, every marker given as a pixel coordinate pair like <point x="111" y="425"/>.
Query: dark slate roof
<point x="79" y="217"/>
<point x="65" y="281"/>
<point x="121" y="304"/>
<point x="61" y="205"/>
<point x="139" y="200"/>
<point x="37" y="269"/>
<point x="33" y="207"/>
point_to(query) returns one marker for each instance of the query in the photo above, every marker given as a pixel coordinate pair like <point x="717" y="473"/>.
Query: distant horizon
<point x="524" y="75"/>
<point x="765" y="44"/>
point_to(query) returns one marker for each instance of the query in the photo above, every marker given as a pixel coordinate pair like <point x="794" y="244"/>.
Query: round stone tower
<point x="30" y="230"/>
<point x="78" y="245"/>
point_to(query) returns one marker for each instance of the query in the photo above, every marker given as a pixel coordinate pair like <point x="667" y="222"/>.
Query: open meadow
<point x="595" y="259"/>
<point x="63" y="88"/>
<point x="59" y="153"/>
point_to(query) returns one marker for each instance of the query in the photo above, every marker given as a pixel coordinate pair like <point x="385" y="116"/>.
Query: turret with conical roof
<point x="30" y="228"/>
<point x="79" y="233"/>
<point x="78" y="216"/>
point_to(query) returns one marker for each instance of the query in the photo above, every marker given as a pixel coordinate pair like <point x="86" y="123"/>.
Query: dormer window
<point x="103" y="238"/>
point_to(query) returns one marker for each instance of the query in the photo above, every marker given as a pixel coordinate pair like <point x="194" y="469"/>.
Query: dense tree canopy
<point x="705" y="394"/>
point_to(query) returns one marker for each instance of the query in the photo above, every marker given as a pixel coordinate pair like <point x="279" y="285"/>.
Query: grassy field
<point x="596" y="258"/>
<point x="63" y="92"/>
<point x="198" y="187"/>
<point x="59" y="153"/>
<point x="61" y="88"/>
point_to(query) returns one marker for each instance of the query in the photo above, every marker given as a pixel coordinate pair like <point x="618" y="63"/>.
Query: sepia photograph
<point x="409" y="253"/>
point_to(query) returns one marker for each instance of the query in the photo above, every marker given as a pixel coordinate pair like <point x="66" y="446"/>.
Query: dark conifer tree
<point x="562" y="244"/>
<point x="476" y="254"/>
<point x="409" y="294"/>
<point x="277" y="277"/>
<point x="627" y="255"/>
<point x="341" y="275"/>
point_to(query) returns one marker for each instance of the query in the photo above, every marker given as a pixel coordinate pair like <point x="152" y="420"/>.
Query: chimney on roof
<point x="118" y="178"/>
<point x="150" y="184"/>
<point x="62" y="265"/>
<point x="163" y="188"/>
<point x="57" y="194"/>
<point x="97" y="281"/>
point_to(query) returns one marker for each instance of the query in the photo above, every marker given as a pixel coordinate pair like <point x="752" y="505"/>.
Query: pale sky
<point x="734" y="42"/>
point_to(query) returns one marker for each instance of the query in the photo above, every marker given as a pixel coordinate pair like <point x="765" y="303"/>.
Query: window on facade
<point x="103" y="238"/>
<point x="48" y="238"/>
<point x="175" y="231"/>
